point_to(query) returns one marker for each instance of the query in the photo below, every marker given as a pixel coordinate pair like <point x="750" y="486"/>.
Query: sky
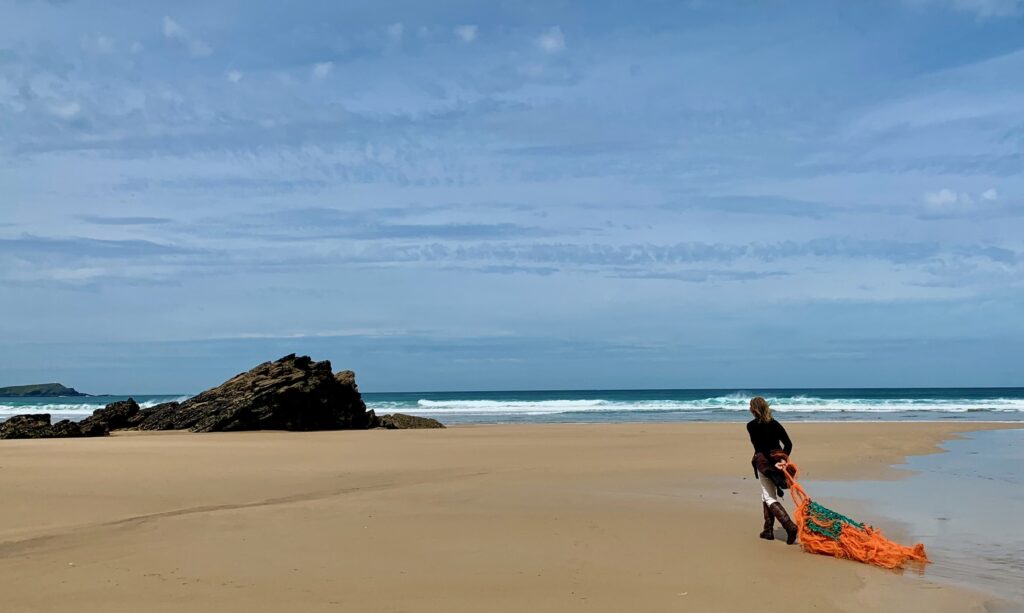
<point x="455" y="195"/>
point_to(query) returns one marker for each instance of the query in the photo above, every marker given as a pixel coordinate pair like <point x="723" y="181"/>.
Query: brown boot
<point x="768" y="533"/>
<point x="787" y="523"/>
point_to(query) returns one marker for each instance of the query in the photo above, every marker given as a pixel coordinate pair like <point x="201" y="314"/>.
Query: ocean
<point x="591" y="406"/>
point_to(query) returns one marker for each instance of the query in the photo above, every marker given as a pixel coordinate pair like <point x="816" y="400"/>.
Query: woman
<point x="771" y="450"/>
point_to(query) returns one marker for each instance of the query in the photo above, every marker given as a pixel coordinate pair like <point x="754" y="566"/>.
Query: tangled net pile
<point x="826" y="532"/>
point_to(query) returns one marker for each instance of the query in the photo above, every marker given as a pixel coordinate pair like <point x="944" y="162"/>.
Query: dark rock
<point x="95" y="428"/>
<point x="114" y="416"/>
<point x="347" y="377"/>
<point x="372" y="421"/>
<point x="66" y="428"/>
<point x="36" y="425"/>
<point x="401" y="421"/>
<point x="151" y="416"/>
<point x="159" y="417"/>
<point x="293" y="393"/>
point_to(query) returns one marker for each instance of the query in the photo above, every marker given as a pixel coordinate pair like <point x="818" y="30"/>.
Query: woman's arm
<point x="787" y="445"/>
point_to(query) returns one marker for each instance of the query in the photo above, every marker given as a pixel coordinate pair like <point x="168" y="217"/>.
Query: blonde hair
<point x="759" y="407"/>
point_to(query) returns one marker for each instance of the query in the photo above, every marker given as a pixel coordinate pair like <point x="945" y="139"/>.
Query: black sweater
<point x="765" y="437"/>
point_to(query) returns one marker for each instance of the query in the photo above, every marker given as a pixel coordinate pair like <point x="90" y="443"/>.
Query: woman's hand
<point x="781" y="465"/>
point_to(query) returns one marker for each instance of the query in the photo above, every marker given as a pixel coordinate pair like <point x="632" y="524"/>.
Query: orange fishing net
<point x="824" y="531"/>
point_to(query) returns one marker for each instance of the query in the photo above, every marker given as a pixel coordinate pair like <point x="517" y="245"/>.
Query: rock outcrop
<point x="401" y="421"/>
<point x="66" y="428"/>
<point x="90" y="429"/>
<point x="38" y="425"/>
<point x="114" y="416"/>
<point x="293" y="393"/>
<point x="166" y="422"/>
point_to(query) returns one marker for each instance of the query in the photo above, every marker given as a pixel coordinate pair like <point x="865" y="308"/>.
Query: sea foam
<point x="729" y="402"/>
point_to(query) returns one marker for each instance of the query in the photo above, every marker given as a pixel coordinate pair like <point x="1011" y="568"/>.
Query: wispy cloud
<point x="466" y="33"/>
<point x="551" y="41"/>
<point x="948" y="202"/>
<point x="65" y="110"/>
<point x="85" y="247"/>
<point x="768" y="206"/>
<point x="124" y="221"/>
<point x="395" y="31"/>
<point x="195" y="46"/>
<point x="981" y="8"/>
<point x="652" y="256"/>
<point x="99" y="43"/>
<point x="321" y="70"/>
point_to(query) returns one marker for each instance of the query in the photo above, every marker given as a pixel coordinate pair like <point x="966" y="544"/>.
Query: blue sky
<point x="507" y="195"/>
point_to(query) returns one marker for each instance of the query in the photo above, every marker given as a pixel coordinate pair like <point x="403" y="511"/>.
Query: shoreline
<point x="557" y="517"/>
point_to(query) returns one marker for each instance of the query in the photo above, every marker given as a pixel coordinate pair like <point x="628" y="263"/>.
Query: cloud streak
<point x="551" y="41"/>
<point x="84" y="247"/>
<point x="195" y="46"/>
<point x="466" y="33"/>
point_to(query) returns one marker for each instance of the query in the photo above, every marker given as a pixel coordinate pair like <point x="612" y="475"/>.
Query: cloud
<point x="304" y="224"/>
<point x="448" y="231"/>
<point x="234" y="76"/>
<point x="651" y="258"/>
<point x="769" y="206"/>
<point x="104" y="44"/>
<point x="543" y="271"/>
<point x="78" y="247"/>
<point x="981" y="8"/>
<point x="196" y="47"/>
<point x="551" y="41"/>
<point x="322" y="69"/>
<point x="943" y="197"/>
<point x="701" y="275"/>
<point x="395" y="31"/>
<point x="466" y="33"/>
<point x="65" y="110"/>
<point x="123" y="221"/>
<point x="948" y="202"/>
<point x="98" y="44"/>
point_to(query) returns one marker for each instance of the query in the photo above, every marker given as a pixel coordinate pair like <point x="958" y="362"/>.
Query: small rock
<point x="401" y="421"/>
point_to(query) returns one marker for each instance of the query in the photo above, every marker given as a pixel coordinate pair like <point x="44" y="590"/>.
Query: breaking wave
<point x="73" y="410"/>
<point x="715" y="404"/>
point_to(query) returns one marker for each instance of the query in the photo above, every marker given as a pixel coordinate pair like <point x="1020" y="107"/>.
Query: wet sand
<point x="962" y="504"/>
<point x="610" y="517"/>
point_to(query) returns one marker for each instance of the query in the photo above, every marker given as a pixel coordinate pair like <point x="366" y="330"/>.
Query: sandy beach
<point x="609" y="517"/>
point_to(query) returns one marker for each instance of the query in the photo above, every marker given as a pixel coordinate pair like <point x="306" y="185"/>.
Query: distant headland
<point x="40" y="389"/>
